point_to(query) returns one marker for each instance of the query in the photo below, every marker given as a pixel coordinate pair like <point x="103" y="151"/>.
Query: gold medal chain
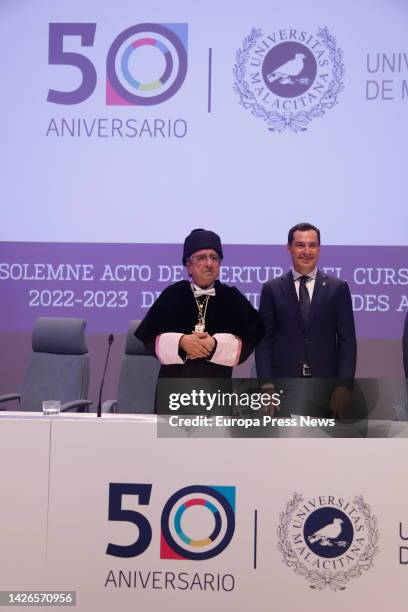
<point x="202" y="307"/>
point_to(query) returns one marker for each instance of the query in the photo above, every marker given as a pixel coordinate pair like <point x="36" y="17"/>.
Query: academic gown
<point x="176" y="310"/>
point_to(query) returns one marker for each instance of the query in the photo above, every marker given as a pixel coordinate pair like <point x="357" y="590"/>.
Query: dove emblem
<point x="328" y="534"/>
<point x="288" y="71"/>
<point x="288" y="77"/>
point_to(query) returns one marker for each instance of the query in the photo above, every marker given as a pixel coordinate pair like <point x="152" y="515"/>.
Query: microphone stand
<point x="110" y="342"/>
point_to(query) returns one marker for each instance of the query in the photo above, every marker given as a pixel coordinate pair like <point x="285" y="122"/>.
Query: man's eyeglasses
<point x="202" y="259"/>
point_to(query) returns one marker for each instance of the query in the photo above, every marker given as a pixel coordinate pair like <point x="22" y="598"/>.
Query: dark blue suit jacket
<point x="327" y="343"/>
<point x="405" y="345"/>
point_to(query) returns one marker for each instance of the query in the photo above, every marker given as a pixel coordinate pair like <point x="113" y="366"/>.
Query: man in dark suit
<point x="309" y="321"/>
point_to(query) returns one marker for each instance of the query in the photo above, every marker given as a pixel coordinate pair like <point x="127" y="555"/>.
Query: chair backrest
<point x="138" y="376"/>
<point x="59" y="367"/>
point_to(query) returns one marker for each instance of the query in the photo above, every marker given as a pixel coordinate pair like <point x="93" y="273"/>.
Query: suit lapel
<point x="319" y="292"/>
<point x="288" y="287"/>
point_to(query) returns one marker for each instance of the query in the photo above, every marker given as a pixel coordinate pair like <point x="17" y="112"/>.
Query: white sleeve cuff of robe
<point x="228" y="350"/>
<point x="167" y="347"/>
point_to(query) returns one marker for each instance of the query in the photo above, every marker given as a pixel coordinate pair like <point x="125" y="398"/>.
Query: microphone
<point x="110" y="342"/>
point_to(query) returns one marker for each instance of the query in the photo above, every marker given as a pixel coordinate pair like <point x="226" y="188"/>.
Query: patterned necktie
<point x="304" y="298"/>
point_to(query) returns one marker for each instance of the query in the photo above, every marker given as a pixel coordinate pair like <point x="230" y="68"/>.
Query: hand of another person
<point x="271" y="409"/>
<point x="340" y="402"/>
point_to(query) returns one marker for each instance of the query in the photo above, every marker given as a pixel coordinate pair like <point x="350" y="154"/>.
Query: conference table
<point x="128" y="517"/>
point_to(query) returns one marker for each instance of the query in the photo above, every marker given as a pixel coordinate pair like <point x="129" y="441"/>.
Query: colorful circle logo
<point x="146" y="64"/>
<point x="198" y="522"/>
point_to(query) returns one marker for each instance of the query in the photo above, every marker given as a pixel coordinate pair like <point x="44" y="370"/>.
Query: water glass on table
<point x="51" y="407"/>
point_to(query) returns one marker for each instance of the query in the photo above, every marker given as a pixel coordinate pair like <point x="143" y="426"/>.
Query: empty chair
<point x="59" y="368"/>
<point x="138" y="377"/>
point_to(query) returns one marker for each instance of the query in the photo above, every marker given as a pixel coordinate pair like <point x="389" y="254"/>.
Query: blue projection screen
<point x="125" y="127"/>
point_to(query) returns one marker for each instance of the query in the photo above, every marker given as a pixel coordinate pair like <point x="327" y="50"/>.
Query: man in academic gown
<point x="200" y="328"/>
